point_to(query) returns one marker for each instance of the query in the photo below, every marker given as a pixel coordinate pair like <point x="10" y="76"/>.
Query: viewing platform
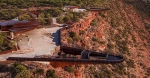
<point x="75" y="56"/>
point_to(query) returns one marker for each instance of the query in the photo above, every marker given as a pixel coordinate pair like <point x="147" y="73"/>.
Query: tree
<point x="5" y="44"/>
<point x="20" y="68"/>
<point x="51" y="74"/>
<point x="93" y="23"/>
<point x="72" y="34"/>
<point x="76" y="38"/>
<point x="1" y="39"/>
<point x="66" y="19"/>
<point x="41" y="18"/>
<point x="24" y="17"/>
<point x="76" y="19"/>
<point x="49" y="19"/>
<point x="60" y="19"/>
<point x="69" y="69"/>
<point x="95" y="39"/>
<point x="17" y="68"/>
<point x="9" y="13"/>
<point x="130" y="63"/>
<point x="80" y="14"/>
<point x="56" y="12"/>
<point x="40" y="71"/>
<point x="69" y="40"/>
<point x="70" y="15"/>
<point x="23" y="74"/>
<point x="82" y="32"/>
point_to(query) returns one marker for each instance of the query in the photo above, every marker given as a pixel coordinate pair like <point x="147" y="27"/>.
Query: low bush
<point x="18" y="70"/>
<point x="51" y="74"/>
<point x="69" y="40"/>
<point x="40" y="71"/>
<point x="82" y="32"/>
<point x="69" y="69"/>
<point x="130" y="63"/>
<point x="72" y="34"/>
<point x="95" y="39"/>
<point x="76" y="38"/>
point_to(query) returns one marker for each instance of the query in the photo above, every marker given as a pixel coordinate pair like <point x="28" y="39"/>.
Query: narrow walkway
<point x="55" y="21"/>
<point x="85" y="54"/>
<point x="110" y="57"/>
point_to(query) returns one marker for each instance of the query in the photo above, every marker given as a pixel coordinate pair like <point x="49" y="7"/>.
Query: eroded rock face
<point x="85" y="32"/>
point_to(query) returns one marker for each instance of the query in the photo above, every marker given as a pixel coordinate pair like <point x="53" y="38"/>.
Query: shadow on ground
<point x="56" y="37"/>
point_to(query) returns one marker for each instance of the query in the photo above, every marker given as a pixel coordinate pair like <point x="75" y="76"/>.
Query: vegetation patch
<point x="10" y="13"/>
<point x="51" y="74"/>
<point x="72" y="34"/>
<point x="95" y="39"/>
<point x="70" y="17"/>
<point x="40" y="71"/>
<point x="130" y="63"/>
<point x="82" y="32"/>
<point x="4" y="43"/>
<point x="70" y="40"/>
<point x="19" y="71"/>
<point x="69" y="69"/>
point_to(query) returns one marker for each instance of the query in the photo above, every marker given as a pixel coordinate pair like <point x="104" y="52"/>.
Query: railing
<point x="87" y="61"/>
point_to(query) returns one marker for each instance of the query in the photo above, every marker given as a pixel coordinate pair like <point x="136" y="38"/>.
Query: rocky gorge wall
<point x="89" y="32"/>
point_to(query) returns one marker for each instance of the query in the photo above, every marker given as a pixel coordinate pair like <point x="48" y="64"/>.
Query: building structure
<point x="71" y="8"/>
<point x="16" y="27"/>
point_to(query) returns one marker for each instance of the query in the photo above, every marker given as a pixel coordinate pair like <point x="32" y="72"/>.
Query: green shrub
<point x="103" y="14"/>
<point x="93" y="23"/>
<point x="76" y="38"/>
<point x="72" y="34"/>
<point x="20" y="68"/>
<point x="109" y="73"/>
<point x="51" y="74"/>
<point x="66" y="19"/>
<point x="23" y="74"/>
<point x="102" y="42"/>
<point x="25" y="17"/>
<point x="69" y="69"/>
<point x="82" y="32"/>
<point x="60" y="19"/>
<point x="110" y="45"/>
<point x="69" y="40"/>
<point x="56" y="12"/>
<point x="4" y="43"/>
<point x="95" y="39"/>
<point x="123" y="46"/>
<point x="70" y="15"/>
<point x="119" y="68"/>
<point x="16" y="68"/>
<point x="40" y="71"/>
<point x="76" y="19"/>
<point x="2" y="36"/>
<point x="130" y="63"/>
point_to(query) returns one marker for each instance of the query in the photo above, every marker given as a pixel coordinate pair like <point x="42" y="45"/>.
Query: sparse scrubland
<point x="125" y="30"/>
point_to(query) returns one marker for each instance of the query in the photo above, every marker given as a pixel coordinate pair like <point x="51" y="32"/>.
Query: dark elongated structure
<point x="99" y="9"/>
<point x="74" y="56"/>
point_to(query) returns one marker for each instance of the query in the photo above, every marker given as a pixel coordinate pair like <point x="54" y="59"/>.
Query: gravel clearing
<point x="36" y="42"/>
